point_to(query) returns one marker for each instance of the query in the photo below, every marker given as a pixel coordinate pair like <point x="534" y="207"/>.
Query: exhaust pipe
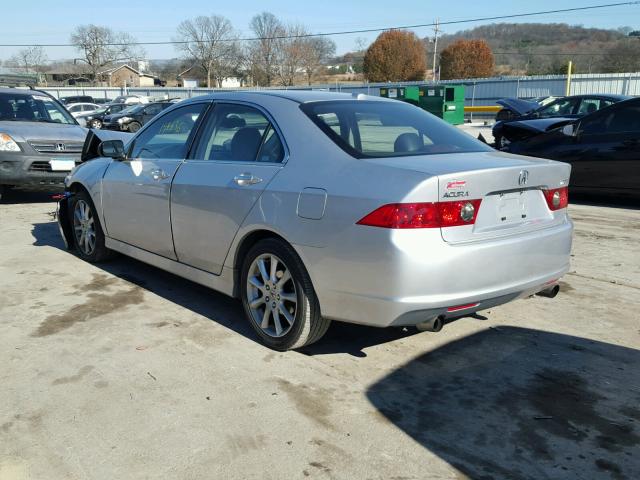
<point x="549" y="292"/>
<point x="433" y="325"/>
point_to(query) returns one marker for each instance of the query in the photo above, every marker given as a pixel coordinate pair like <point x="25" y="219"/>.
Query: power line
<point x="348" y="32"/>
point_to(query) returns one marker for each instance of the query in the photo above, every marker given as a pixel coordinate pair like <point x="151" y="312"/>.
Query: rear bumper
<point x="416" y="276"/>
<point x="29" y="171"/>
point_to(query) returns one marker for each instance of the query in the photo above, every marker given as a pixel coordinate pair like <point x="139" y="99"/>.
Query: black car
<point x="95" y="118"/>
<point x="131" y="119"/>
<point x="527" y="123"/>
<point x="603" y="149"/>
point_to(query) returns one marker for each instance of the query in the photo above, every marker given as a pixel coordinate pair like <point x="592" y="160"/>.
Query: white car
<point x="130" y="99"/>
<point x="76" y="109"/>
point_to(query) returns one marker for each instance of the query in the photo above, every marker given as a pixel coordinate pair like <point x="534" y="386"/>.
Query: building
<point x="126" y="76"/>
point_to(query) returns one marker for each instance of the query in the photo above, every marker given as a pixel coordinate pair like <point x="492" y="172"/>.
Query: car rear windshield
<point x="375" y="129"/>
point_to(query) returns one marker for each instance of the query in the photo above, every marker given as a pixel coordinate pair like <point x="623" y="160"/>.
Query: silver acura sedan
<point x="315" y="206"/>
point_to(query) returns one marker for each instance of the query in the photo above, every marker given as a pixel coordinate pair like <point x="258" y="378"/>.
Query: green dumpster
<point x="444" y="101"/>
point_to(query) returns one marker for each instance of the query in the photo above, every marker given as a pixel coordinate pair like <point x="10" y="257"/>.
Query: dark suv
<point x="40" y="142"/>
<point x="131" y="119"/>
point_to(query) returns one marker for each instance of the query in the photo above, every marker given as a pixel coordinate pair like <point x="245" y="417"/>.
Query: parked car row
<point x="528" y="119"/>
<point x="603" y="148"/>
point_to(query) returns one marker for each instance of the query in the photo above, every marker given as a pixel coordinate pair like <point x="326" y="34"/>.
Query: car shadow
<point x="226" y="311"/>
<point x="16" y="197"/>
<point x="604" y="201"/>
<point x="512" y="402"/>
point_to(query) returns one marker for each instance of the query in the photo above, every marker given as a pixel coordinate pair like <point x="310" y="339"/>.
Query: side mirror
<point x="113" y="149"/>
<point x="569" y="130"/>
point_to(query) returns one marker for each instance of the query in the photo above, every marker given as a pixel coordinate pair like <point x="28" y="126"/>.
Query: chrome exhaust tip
<point x="433" y="325"/>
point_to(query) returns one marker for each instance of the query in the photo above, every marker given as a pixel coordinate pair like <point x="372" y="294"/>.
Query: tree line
<point x="280" y="53"/>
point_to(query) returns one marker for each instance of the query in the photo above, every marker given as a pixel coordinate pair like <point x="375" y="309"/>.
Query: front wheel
<point x="87" y="232"/>
<point x="134" y="127"/>
<point x="278" y="297"/>
<point x="97" y="124"/>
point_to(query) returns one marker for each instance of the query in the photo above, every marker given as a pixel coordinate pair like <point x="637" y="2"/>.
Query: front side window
<point x="374" y="129"/>
<point x="170" y="135"/>
<point x="557" y="108"/>
<point x="32" y="108"/>
<point x="239" y="133"/>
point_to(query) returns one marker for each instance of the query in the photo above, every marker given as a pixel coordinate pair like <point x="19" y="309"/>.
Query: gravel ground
<point x="124" y="371"/>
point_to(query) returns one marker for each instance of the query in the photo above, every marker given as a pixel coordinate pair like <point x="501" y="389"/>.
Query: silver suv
<point x="40" y="142"/>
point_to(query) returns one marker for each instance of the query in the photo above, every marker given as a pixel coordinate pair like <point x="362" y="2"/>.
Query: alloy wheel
<point x="271" y="295"/>
<point x="84" y="227"/>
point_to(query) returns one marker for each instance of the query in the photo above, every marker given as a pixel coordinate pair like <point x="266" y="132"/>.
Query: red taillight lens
<point x="423" y="215"/>
<point x="557" y="198"/>
<point x="453" y="214"/>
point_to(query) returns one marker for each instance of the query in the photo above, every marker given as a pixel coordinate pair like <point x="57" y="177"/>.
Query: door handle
<point x="246" y="179"/>
<point x="159" y="174"/>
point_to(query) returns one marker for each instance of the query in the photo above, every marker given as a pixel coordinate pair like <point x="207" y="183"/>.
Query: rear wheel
<point x="278" y="297"/>
<point x="2" y="190"/>
<point x="87" y="232"/>
<point x="134" y="127"/>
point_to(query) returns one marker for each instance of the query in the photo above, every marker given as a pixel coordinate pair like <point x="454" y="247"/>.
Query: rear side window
<point x="374" y="129"/>
<point x="239" y="133"/>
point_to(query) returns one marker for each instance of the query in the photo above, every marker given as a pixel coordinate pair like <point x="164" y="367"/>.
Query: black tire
<point x="308" y="325"/>
<point x="2" y="191"/>
<point x="134" y="127"/>
<point x="96" y="123"/>
<point x="99" y="252"/>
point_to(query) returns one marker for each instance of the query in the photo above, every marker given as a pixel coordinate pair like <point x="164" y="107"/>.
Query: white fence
<point x="482" y="91"/>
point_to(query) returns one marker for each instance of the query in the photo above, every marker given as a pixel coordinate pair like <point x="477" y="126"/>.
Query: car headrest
<point x="407" y="142"/>
<point x="233" y="121"/>
<point x="245" y="143"/>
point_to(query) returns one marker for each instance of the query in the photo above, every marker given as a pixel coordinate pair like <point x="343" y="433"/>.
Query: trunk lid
<point x="509" y="204"/>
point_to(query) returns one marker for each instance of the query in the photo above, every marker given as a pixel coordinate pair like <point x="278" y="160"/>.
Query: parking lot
<point x="124" y="371"/>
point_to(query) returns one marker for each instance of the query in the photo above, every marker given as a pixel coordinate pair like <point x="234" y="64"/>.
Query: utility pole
<point x="436" y="30"/>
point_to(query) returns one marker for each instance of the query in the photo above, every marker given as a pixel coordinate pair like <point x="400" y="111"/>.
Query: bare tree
<point x="291" y="53"/>
<point x="212" y="43"/>
<point x="264" y="52"/>
<point x="31" y="59"/>
<point x="101" y="47"/>
<point x="316" y="50"/>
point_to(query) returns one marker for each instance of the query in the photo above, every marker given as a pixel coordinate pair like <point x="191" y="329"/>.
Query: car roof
<point x="298" y="96"/>
<point x="613" y="96"/>
<point x="22" y="91"/>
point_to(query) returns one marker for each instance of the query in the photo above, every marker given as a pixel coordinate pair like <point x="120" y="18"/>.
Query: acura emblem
<point x="60" y="147"/>
<point x="523" y="178"/>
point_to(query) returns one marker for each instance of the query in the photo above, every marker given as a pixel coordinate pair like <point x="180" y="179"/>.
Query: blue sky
<point x="156" y="20"/>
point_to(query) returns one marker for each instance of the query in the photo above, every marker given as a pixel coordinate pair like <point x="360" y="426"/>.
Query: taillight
<point x="557" y="198"/>
<point x="423" y="215"/>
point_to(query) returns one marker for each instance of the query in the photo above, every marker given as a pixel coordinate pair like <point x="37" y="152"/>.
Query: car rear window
<point x="375" y="129"/>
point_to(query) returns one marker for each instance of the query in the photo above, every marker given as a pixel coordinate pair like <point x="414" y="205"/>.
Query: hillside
<point x="542" y="48"/>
